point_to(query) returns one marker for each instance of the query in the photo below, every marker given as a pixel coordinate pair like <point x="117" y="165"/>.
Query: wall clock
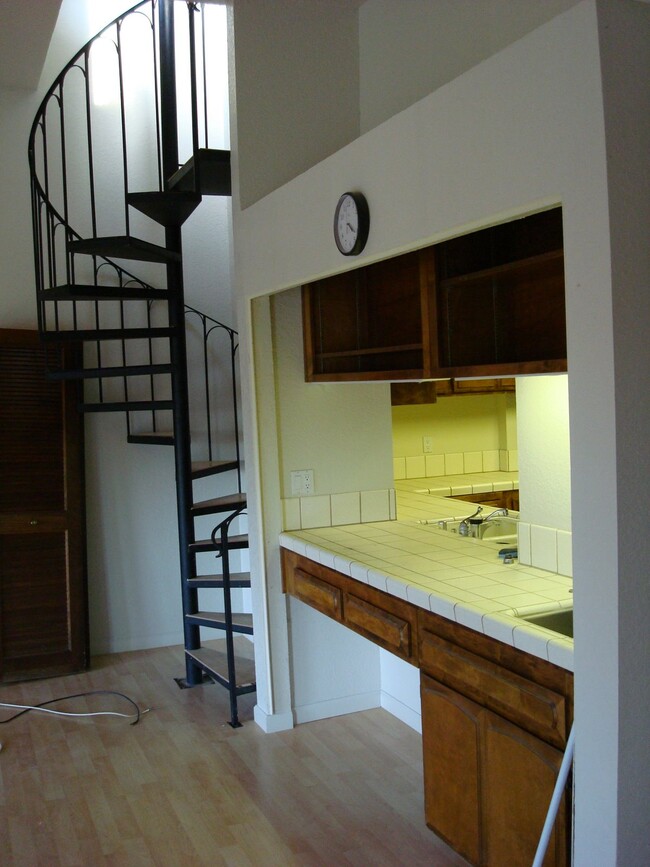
<point x="351" y="223"/>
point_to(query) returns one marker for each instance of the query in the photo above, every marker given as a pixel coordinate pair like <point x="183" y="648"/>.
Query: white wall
<point x="523" y="130"/>
<point x="432" y="43"/>
<point x="296" y="74"/>
<point x="342" y="431"/>
<point x="469" y="423"/>
<point x="624" y="41"/>
<point x="544" y="456"/>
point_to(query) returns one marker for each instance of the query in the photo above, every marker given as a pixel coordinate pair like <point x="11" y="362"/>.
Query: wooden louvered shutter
<point x="43" y="605"/>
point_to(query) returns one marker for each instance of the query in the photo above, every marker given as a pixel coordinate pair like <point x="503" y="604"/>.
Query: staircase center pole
<point x="180" y="390"/>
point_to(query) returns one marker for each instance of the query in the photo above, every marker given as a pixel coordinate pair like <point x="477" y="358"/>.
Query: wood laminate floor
<point x="183" y="788"/>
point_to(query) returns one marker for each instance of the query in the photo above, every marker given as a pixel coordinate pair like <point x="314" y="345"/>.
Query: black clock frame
<point x="363" y="212"/>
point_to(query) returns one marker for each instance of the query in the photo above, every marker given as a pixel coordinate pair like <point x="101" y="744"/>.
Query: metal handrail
<point x="65" y="117"/>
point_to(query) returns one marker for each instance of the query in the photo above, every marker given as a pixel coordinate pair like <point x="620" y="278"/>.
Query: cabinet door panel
<point x="386" y="629"/>
<point x="451" y="743"/>
<point x="539" y="709"/>
<point x="319" y="594"/>
<point x="518" y="774"/>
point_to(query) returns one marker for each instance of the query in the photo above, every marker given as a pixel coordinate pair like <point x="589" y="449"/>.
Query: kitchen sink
<point x="557" y="621"/>
<point x="501" y="531"/>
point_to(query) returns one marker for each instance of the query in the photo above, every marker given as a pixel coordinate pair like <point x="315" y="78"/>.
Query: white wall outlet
<point x="427" y="445"/>
<point x="302" y="483"/>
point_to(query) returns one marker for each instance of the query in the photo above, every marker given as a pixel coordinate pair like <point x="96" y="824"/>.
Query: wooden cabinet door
<point x="451" y="754"/>
<point x="43" y="608"/>
<point x="487" y="782"/>
<point x="518" y="774"/>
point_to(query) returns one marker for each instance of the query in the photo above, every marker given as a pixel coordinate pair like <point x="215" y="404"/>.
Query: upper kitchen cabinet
<point x="500" y="299"/>
<point x="490" y="303"/>
<point x="371" y="323"/>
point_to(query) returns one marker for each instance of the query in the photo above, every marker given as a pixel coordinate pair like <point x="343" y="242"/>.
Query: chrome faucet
<point x="497" y="513"/>
<point x="464" y="528"/>
<point x="482" y="527"/>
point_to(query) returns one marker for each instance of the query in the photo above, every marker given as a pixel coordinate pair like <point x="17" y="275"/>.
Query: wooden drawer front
<point x="390" y="631"/>
<point x="537" y="709"/>
<point x="317" y="593"/>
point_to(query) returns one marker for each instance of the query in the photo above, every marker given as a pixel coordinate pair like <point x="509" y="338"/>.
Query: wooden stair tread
<point x="203" y="545"/>
<point x="240" y="622"/>
<point x="225" y="503"/>
<point x="214" y="173"/>
<point x="167" y="207"/>
<point x="209" y="468"/>
<point x="109" y="334"/>
<point x="237" y="580"/>
<point x="127" y="406"/>
<point x="154" y="438"/>
<point x="81" y="292"/>
<point x="124" y="247"/>
<point x="213" y="660"/>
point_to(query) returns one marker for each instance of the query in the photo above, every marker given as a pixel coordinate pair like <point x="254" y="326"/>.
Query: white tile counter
<point x="458" y="578"/>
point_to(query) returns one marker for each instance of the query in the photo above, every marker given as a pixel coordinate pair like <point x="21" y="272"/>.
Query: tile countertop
<point x="458" y="578"/>
<point x="428" y="498"/>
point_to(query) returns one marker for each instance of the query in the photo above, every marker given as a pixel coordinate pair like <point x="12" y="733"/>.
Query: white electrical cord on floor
<point x="69" y="713"/>
<point x="560" y="783"/>
<point x="25" y="708"/>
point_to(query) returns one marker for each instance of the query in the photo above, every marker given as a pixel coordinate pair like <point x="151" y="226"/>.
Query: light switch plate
<point x="427" y="445"/>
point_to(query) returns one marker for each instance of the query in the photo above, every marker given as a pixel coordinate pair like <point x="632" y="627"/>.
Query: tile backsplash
<point x="333" y="510"/>
<point x="545" y="547"/>
<point x="455" y="463"/>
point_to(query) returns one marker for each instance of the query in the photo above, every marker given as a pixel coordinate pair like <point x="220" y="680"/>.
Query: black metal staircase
<point x="135" y="333"/>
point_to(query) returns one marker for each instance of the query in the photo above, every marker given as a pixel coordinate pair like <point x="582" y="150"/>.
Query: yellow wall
<point x="464" y="423"/>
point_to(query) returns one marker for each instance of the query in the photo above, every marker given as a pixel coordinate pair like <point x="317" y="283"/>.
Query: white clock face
<point x="347" y="224"/>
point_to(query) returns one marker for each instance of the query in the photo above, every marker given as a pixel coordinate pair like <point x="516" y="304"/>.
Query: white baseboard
<point x="337" y="707"/>
<point x="272" y="722"/>
<point x="402" y="711"/>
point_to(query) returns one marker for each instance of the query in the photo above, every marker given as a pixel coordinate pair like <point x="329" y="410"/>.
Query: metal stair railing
<point x="97" y="300"/>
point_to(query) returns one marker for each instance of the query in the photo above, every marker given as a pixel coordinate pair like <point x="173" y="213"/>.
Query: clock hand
<point x="350" y="227"/>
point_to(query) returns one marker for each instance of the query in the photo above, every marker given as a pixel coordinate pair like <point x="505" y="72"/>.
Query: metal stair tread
<point x="214" y="173"/>
<point x="209" y="468"/>
<point x="242" y="623"/>
<point x="105" y="372"/>
<point x="124" y="247"/>
<point x="219" y="504"/>
<point x="154" y="438"/>
<point x="167" y="207"/>
<point x="109" y="334"/>
<point x="237" y="580"/>
<point x="214" y="662"/>
<point x="126" y="406"/>
<point x="86" y="292"/>
<point x="203" y="545"/>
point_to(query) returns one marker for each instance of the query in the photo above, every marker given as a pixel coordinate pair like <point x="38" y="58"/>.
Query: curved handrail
<point x="63" y="130"/>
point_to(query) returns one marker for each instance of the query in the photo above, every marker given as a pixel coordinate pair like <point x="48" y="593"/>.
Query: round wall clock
<point x="351" y="223"/>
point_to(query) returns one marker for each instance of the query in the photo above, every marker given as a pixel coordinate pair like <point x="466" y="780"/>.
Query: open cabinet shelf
<point x="490" y="303"/>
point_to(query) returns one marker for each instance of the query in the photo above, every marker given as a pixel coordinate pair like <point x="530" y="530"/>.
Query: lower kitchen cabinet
<point x="495" y="720"/>
<point x="451" y="749"/>
<point x="488" y="782"/>
<point x="389" y="622"/>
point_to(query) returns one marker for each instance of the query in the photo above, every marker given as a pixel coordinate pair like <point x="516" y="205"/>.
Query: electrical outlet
<point x="302" y="483"/>
<point x="427" y="445"/>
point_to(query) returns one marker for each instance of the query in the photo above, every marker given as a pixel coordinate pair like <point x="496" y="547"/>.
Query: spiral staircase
<point x="98" y="163"/>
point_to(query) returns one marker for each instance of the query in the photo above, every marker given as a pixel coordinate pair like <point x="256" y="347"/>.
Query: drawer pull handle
<point x="33" y="522"/>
